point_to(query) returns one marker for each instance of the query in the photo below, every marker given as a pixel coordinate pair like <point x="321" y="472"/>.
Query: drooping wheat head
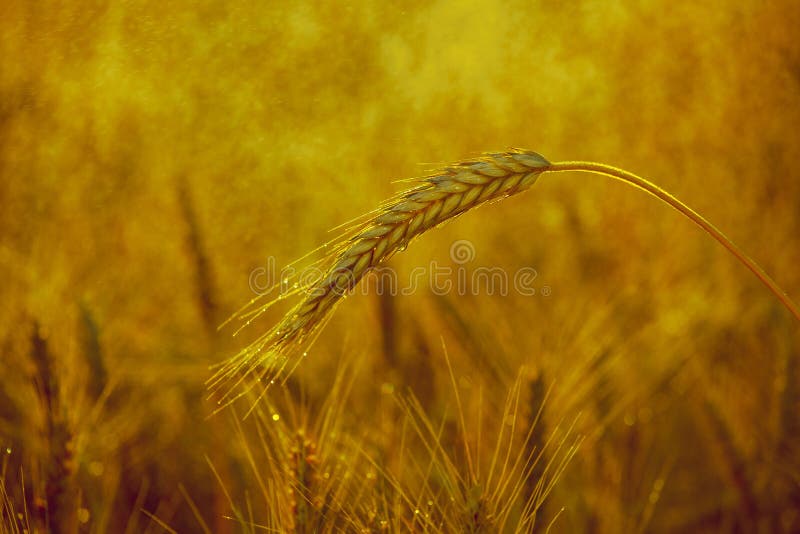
<point x="379" y="234"/>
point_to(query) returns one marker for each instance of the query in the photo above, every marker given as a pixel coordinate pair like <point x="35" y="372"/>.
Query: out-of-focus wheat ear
<point x="481" y="346"/>
<point x="59" y="514"/>
<point x="535" y="443"/>
<point x="195" y="247"/>
<point x="98" y="374"/>
<point x="206" y="303"/>
<point x="303" y="464"/>
<point x="733" y="466"/>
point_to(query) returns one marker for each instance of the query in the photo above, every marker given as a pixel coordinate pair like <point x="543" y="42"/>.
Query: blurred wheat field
<point x="153" y="156"/>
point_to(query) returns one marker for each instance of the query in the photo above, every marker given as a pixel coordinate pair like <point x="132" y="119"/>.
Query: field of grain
<point x="578" y="357"/>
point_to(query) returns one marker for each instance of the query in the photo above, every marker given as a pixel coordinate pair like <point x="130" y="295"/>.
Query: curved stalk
<point x="699" y="220"/>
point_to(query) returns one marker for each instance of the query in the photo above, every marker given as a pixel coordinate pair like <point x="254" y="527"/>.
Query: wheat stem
<point x="699" y="220"/>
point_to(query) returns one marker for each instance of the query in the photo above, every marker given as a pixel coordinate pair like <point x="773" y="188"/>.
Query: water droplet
<point x="629" y="419"/>
<point x="96" y="469"/>
<point x="305" y="354"/>
<point x="272" y="381"/>
<point x="8" y="450"/>
<point x="83" y="515"/>
<point x="416" y="512"/>
<point x="276" y="417"/>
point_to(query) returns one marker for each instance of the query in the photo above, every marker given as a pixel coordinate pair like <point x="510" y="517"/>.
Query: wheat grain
<point x="437" y="198"/>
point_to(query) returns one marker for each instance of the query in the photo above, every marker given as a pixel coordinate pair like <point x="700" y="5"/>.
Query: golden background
<point x="153" y="154"/>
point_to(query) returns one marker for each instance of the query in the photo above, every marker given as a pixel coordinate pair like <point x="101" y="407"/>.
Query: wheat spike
<point x="435" y="199"/>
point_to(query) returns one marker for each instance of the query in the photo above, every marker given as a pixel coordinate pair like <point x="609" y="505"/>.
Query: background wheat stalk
<point x="377" y="235"/>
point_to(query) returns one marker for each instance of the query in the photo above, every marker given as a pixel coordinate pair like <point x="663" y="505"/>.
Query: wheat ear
<point x="435" y="199"/>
